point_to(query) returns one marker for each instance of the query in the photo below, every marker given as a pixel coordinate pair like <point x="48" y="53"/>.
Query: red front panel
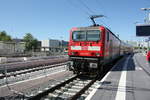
<point x="87" y="48"/>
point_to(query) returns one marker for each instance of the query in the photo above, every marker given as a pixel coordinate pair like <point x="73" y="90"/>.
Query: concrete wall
<point x="8" y="48"/>
<point x="19" y="47"/>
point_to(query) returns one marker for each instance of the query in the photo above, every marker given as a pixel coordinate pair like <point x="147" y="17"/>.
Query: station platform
<point x="129" y="79"/>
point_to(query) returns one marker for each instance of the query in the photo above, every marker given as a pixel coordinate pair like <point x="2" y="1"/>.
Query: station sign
<point x="143" y="30"/>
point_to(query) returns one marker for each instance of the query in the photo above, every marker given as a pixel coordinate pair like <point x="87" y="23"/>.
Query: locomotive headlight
<point x="97" y="54"/>
<point x="93" y="65"/>
<point x="73" y="53"/>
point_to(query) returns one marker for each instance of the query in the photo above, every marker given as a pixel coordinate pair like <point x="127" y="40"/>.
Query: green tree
<point x="30" y="42"/>
<point x="4" y="36"/>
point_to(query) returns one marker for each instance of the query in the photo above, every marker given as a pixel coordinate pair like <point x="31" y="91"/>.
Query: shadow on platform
<point x="130" y="65"/>
<point x="107" y="86"/>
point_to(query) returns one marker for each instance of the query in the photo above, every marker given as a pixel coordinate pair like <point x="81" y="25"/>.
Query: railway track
<point x="13" y="77"/>
<point x="11" y="67"/>
<point x="75" y="88"/>
<point x="69" y="89"/>
<point x="24" y="89"/>
<point x="28" y="70"/>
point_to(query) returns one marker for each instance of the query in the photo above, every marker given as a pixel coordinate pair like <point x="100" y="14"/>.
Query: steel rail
<point x="40" y="95"/>
<point x="31" y="70"/>
<point x="74" y="97"/>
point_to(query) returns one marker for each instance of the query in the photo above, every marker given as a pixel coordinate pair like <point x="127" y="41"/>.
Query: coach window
<point x="107" y="36"/>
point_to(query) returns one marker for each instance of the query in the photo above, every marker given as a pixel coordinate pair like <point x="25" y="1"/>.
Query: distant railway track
<point x="26" y="59"/>
<point x="11" y="67"/>
<point x="29" y="70"/>
<point x="27" y="88"/>
<point x="33" y="71"/>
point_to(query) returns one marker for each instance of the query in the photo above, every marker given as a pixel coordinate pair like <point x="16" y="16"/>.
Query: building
<point x="133" y="43"/>
<point x="7" y="48"/>
<point x="64" y="43"/>
<point x="52" y="45"/>
<point x="38" y="49"/>
<point x="137" y="43"/>
<point x="11" y="47"/>
<point x="19" y="45"/>
<point x="49" y="45"/>
<point x="143" y="44"/>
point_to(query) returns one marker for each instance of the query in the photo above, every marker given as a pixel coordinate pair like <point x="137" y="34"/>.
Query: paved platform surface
<point x="128" y="80"/>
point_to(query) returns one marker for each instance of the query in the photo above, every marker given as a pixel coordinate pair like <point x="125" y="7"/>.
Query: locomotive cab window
<point x="79" y="35"/>
<point x="90" y="35"/>
<point x="93" y="35"/>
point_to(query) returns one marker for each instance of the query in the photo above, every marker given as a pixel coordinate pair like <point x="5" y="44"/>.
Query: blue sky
<point x="54" y="18"/>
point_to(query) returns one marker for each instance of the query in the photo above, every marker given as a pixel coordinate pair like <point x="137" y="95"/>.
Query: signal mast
<point x="147" y="21"/>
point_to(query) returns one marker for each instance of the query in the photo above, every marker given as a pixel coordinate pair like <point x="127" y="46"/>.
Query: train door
<point x="107" y="43"/>
<point x="119" y="48"/>
<point x="111" y="48"/>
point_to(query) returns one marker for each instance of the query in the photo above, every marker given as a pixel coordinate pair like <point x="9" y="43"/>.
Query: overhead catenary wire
<point x="100" y="7"/>
<point x="92" y="12"/>
<point x="88" y="10"/>
<point x="99" y="4"/>
<point x="78" y="7"/>
<point x="87" y="7"/>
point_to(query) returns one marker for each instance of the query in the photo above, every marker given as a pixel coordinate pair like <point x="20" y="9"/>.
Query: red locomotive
<point x="91" y="47"/>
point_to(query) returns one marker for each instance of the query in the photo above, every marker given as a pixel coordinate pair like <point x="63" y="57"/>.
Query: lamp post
<point x="147" y="21"/>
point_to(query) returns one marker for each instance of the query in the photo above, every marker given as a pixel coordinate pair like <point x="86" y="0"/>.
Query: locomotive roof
<point x="113" y="34"/>
<point x="88" y="28"/>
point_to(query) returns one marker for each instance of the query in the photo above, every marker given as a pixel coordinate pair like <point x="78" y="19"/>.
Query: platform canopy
<point x="143" y="30"/>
